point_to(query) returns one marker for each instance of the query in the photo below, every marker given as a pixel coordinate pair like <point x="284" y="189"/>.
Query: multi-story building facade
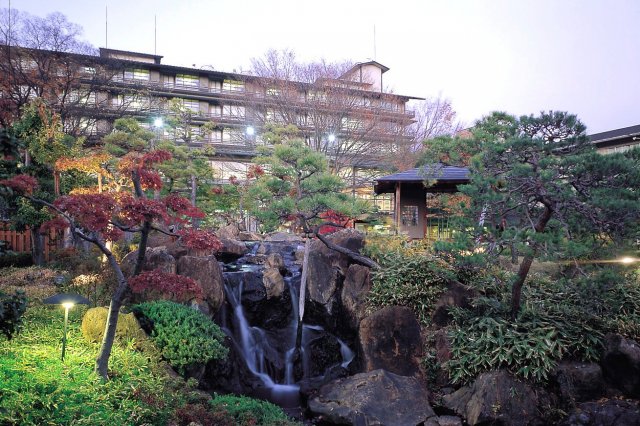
<point x="350" y="118"/>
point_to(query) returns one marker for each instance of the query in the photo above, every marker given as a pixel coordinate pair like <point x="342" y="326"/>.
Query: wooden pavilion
<point x="411" y="189"/>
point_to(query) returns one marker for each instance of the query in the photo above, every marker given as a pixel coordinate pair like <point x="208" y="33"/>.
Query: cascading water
<point x="268" y="351"/>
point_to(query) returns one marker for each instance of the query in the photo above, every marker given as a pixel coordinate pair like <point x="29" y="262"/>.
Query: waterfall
<point x="270" y="354"/>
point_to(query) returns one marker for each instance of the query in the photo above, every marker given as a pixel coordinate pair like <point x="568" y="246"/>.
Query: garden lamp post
<point x="67" y="300"/>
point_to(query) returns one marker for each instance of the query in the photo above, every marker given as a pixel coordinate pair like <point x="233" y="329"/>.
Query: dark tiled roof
<point x="447" y="178"/>
<point x="433" y="171"/>
<point x="609" y="135"/>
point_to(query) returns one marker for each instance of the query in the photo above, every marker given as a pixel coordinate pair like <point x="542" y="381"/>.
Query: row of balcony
<point x="241" y="94"/>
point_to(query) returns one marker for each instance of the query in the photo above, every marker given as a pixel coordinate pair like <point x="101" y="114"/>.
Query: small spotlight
<point x="251" y="131"/>
<point x="332" y="138"/>
<point x="627" y="260"/>
<point x="158" y="122"/>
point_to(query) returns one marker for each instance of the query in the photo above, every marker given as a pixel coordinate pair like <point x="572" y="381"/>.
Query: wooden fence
<point x="20" y="241"/>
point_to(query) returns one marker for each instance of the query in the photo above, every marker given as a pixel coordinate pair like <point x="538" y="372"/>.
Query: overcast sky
<point x="519" y="56"/>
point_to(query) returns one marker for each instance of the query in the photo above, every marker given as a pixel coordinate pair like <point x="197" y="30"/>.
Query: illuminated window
<point x="272" y="91"/>
<point x="193" y="106"/>
<point x="187" y="80"/>
<point x="136" y="74"/>
<point x="233" y="85"/>
<point x="409" y="215"/>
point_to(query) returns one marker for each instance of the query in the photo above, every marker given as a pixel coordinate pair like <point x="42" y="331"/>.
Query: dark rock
<point x="390" y="339"/>
<point x="374" y="398"/>
<point x="207" y="273"/>
<point x="621" y="364"/>
<point x="155" y="258"/>
<point x="458" y="295"/>
<point x="231" y="250"/>
<point x="580" y="381"/>
<point x="497" y="398"/>
<point x="357" y="284"/>
<point x="327" y="268"/>
<point x="612" y="412"/>
<point x="324" y="352"/>
<point x="444" y="421"/>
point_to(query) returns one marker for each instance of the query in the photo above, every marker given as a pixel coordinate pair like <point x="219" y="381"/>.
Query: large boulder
<point x="207" y="273"/>
<point x="390" y="339"/>
<point x="249" y="236"/>
<point x="357" y="284"/>
<point x="327" y="268"/>
<point x="231" y="249"/>
<point x="456" y="295"/>
<point x="579" y="381"/>
<point x="155" y="258"/>
<point x="612" y="412"/>
<point x="621" y="364"/>
<point x="375" y="398"/>
<point x="282" y="236"/>
<point x="229" y="232"/>
<point x="497" y="398"/>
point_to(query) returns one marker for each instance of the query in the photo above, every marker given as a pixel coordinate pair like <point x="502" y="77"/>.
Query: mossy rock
<point x="128" y="328"/>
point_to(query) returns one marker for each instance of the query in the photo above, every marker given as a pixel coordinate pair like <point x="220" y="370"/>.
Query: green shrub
<point x="15" y="259"/>
<point x="247" y="411"/>
<point x="409" y="276"/>
<point x="12" y="307"/>
<point x="559" y="319"/>
<point x="184" y="336"/>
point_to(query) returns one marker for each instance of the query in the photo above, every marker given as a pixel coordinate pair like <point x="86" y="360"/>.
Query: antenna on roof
<point x="374" y="42"/>
<point x="106" y="28"/>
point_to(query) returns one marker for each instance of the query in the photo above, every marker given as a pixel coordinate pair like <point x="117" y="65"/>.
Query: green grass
<point x="37" y="388"/>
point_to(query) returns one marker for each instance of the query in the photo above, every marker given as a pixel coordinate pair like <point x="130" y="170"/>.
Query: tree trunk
<point x="516" y="288"/>
<point x="357" y="258"/>
<point x="102" y="362"/>
<point x="37" y="247"/>
<point x="525" y="266"/>
<point x="194" y="190"/>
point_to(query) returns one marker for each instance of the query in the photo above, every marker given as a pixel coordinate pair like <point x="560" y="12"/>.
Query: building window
<point x="233" y="85"/>
<point x="187" y="80"/>
<point x="215" y="110"/>
<point x="232" y="136"/>
<point x="234" y="111"/>
<point x="215" y="136"/>
<point x="136" y="74"/>
<point x="191" y="105"/>
<point x="409" y="215"/>
<point x="272" y="91"/>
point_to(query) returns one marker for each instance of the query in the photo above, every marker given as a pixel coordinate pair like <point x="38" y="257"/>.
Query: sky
<point x="518" y="56"/>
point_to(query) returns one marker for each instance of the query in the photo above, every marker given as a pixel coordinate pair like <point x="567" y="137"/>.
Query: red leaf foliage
<point x="57" y="223"/>
<point x="23" y="184"/>
<point x="92" y="212"/>
<point x="199" y="239"/>
<point x="255" y="171"/>
<point x="337" y="218"/>
<point x="166" y="285"/>
<point x="182" y="207"/>
<point x="134" y="211"/>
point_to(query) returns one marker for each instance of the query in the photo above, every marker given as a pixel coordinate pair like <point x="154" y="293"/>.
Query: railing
<point x="255" y="96"/>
